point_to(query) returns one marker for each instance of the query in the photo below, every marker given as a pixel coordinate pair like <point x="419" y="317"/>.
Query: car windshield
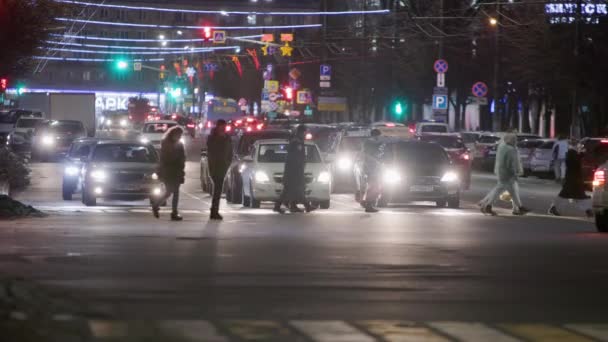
<point x="352" y="144"/>
<point x="469" y="137"/>
<point x="124" y="153"/>
<point x="79" y="150"/>
<point x="488" y="139"/>
<point x="434" y="128"/>
<point x="530" y="143"/>
<point x="27" y="123"/>
<point x="66" y="127"/>
<point x="547" y="145"/>
<point x="277" y="153"/>
<point x="415" y="153"/>
<point x="247" y="140"/>
<point x="157" y="128"/>
<point x="325" y="138"/>
<point x="524" y="137"/>
<point x="444" y="141"/>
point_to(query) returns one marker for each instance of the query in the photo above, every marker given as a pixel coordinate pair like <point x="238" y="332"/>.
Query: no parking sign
<point x="480" y="89"/>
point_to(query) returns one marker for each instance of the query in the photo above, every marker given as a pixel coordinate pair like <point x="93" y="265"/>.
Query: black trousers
<point x="170" y="190"/>
<point x="218" y="184"/>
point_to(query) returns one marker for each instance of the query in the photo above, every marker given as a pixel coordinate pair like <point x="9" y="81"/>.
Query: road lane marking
<point x="257" y="330"/>
<point x="401" y="331"/>
<point x="543" y="333"/>
<point x="331" y="331"/>
<point x="471" y="332"/>
<point x="598" y="331"/>
<point x="108" y="329"/>
<point x="194" y="331"/>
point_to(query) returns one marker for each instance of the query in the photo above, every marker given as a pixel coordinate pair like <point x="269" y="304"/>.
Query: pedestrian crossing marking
<point x="401" y="331"/>
<point x="257" y="330"/>
<point x="331" y="331"/>
<point x="543" y="333"/>
<point x="193" y="331"/>
<point x="472" y="332"/>
<point x="108" y="329"/>
<point x="597" y="331"/>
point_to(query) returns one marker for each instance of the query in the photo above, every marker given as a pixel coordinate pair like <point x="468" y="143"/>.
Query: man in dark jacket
<point x="171" y="170"/>
<point x="573" y="189"/>
<point x="219" y="156"/>
<point x="294" y="182"/>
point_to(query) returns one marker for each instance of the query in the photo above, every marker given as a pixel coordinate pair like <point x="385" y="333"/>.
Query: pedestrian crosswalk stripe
<point x="543" y="333"/>
<point x="472" y="332"/>
<point x="256" y="330"/>
<point x="108" y="329"/>
<point x="399" y="331"/>
<point x="331" y="331"/>
<point x="597" y="331"/>
<point x="193" y="331"/>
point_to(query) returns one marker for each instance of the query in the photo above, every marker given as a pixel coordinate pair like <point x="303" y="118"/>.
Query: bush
<point x="14" y="169"/>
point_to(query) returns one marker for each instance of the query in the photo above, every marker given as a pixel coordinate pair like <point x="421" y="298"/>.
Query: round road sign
<point x="441" y="66"/>
<point x="273" y="96"/>
<point x="480" y="89"/>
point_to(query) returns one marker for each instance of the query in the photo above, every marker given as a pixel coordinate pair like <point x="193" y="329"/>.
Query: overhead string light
<point x="112" y="23"/>
<point x="70" y="59"/>
<point x="180" y="52"/>
<point x="221" y="12"/>
<point x="194" y="40"/>
<point x="157" y="48"/>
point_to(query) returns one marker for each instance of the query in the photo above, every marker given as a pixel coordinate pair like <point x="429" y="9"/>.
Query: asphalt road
<point x="408" y="273"/>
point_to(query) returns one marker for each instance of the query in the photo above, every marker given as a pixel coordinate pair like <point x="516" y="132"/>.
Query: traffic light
<point x="3" y="84"/>
<point x="207" y="34"/>
<point x="289" y="93"/>
<point x="122" y="64"/>
<point x="21" y="89"/>
<point x="399" y="109"/>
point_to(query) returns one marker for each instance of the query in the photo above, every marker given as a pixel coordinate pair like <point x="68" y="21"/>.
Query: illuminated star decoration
<point x="265" y="49"/>
<point x="286" y="50"/>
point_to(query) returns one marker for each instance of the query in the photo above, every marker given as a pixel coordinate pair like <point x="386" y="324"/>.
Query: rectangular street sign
<point x="441" y="80"/>
<point x="325" y="78"/>
<point x="325" y="70"/>
<point x="325" y="84"/>
<point x="440" y="90"/>
<point x="440" y="103"/>
<point x="219" y="37"/>
<point x="137" y="66"/>
<point x="271" y="86"/>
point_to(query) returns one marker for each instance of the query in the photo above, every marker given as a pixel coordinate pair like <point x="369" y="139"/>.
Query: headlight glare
<point x="154" y="176"/>
<point x="144" y="140"/>
<point x="261" y="177"/>
<point x="71" y="170"/>
<point x="48" y="140"/>
<point x="324" y="177"/>
<point x="391" y="176"/>
<point x="98" y="175"/>
<point x="345" y="163"/>
<point x="450" y="176"/>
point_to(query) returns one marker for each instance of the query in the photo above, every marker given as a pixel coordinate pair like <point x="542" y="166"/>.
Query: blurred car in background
<point x="20" y="139"/>
<point x="541" y="162"/>
<point x="54" y="138"/>
<point x="347" y="152"/>
<point x="596" y="154"/>
<point x="526" y="150"/>
<point x="430" y="127"/>
<point x="469" y="139"/>
<point x="72" y="166"/>
<point x="457" y="151"/>
<point x="483" y="154"/>
<point x="153" y="131"/>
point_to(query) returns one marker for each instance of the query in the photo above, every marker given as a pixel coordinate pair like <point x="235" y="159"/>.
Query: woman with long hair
<point x="171" y="170"/>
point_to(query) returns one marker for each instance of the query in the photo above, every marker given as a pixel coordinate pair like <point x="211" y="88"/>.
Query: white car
<point x="262" y="174"/>
<point x="152" y="132"/>
<point x="431" y="127"/>
<point x="542" y="157"/>
<point x="600" y="198"/>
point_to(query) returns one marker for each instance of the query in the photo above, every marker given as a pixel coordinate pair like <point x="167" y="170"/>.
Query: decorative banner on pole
<point x="287" y="37"/>
<point x="254" y="55"/>
<point x="178" y="69"/>
<point x="268" y="37"/>
<point x="237" y="63"/>
<point x="190" y="72"/>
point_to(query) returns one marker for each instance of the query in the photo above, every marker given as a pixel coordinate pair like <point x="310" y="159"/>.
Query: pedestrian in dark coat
<point x="294" y="180"/>
<point x="171" y="170"/>
<point x="219" y="156"/>
<point x="573" y="189"/>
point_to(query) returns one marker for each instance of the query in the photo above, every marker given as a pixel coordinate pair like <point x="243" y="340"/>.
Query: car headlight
<point x="98" y="175"/>
<point x="71" y="171"/>
<point x="109" y="122"/>
<point x="154" y="176"/>
<point x="183" y="141"/>
<point x="144" y="140"/>
<point x="261" y="177"/>
<point x="324" y="177"/>
<point x="450" y="176"/>
<point x="123" y="123"/>
<point x="391" y="176"/>
<point x="48" y="140"/>
<point x="345" y="163"/>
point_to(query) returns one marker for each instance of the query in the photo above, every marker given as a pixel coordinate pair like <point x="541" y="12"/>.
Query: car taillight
<point x="249" y="129"/>
<point x="228" y="128"/>
<point x="209" y="124"/>
<point x="260" y="126"/>
<point x="599" y="178"/>
<point x="238" y="122"/>
<point x="249" y="119"/>
<point x="466" y="156"/>
<point x="190" y="125"/>
<point x="308" y="136"/>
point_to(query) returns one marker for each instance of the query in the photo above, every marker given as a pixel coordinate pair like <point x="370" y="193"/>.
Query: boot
<point x="521" y="211"/>
<point x="277" y="208"/>
<point x="369" y="208"/>
<point x="553" y="211"/>
<point x="487" y="210"/>
<point x="176" y="217"/>
<point x="309" y="207"/>
<point x="215" y="215"/>
<point x="294" y="208"/>
<point x="155" y="210"/>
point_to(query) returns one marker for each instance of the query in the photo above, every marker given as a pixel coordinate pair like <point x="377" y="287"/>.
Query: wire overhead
<point x="113" y="23"/>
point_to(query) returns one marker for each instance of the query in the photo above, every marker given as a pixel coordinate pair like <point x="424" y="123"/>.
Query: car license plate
<point x="492" y="153"/>
<point x="421" y="188"/>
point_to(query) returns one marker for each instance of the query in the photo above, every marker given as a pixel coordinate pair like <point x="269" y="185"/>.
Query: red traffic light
<point x="3" y="83"/>
<point x="207" y="34"/>
<point x="289" y="93"/>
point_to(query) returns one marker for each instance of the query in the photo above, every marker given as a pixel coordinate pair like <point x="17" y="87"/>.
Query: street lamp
<point x="493" y="21"/>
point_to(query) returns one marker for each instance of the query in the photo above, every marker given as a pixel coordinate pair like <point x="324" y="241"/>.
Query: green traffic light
<point x="122" y="65"/>
<point x="398" y="108"/>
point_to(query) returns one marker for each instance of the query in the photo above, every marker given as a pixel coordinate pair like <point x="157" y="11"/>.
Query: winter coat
<point x="574" y="185"/>
<point x="294" y="182"/>
<point x="507" y="165"/>
<point x="172" y="163"/>
<point x="219" y="154"/>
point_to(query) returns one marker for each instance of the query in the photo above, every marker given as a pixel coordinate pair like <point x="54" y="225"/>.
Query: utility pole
<point x="575" y="129"/>
<point x="497" y="118"/>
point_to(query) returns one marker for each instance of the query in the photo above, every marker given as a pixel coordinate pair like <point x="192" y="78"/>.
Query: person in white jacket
<point x="559" y="158"/>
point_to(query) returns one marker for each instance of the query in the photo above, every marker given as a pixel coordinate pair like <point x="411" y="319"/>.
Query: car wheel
<point x="324" y="204"/>
<point x="601" y="221"/>
<point x="454" y="202"/>
<point x="88" y="200"/>
<point x="67" y="193"/>
<point x="440" y="203"/>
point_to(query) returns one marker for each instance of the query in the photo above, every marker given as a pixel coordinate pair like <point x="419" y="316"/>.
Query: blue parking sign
<point x="440" y="102"/>
<point x="325" y="70"/>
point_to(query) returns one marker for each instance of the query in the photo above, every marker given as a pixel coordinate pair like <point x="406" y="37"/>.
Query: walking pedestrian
<point x="559" y="158"/>
<point x="573" y="189"/>
<point x="171" y="170"/>
<point x="294" y="181"/>
<point x="219" y="155"/>
<point x="507" y="169"/>
<point x="370" y="168"/>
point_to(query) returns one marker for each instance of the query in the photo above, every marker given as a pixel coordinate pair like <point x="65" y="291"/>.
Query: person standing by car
<point x="171" y="170"/>
<point x="507" y="168"/>
<point x="294" y="181"/>
<point x="219" y="150"/>
<point x="370" y="169"/>
<point x="573" y="187"/>
<point x="559" y="158"/>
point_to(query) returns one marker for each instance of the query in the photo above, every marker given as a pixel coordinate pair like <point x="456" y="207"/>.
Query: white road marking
<point x="193" y="330"/>
<point x="471" y="332"/>
<point x="597" y="331"/>
<point x="331" y="331"/>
